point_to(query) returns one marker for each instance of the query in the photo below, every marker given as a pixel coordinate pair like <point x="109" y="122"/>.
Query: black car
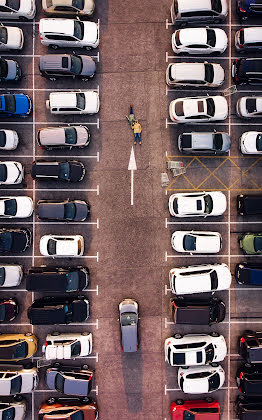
<point x="249" y="379"/>
<point x="249" y="274"/>
<point x="68" y="170"/>
<point x="249" y="204"/>
<point x="70" y="380"/>
<point x="58" y="310"/>
<point x="250" y="346"/>
<point x="65" y="210"/>
<point x="8" y="309"/>
<point x="14" y="240"/>
<point x="57" y="279"/>
<point x="249" y="8"/>
<point x="248" y="408"/>
<point x="189" y="311"/>
<point x="247" y="71"/>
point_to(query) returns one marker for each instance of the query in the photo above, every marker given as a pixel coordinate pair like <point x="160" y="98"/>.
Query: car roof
<point x="55" y="62"/>
<point x="193" y="35"/>
<point x="57" y="135"/>
<point x="251" y="65"/>
<point x="189" y="5"/>
<point x="61" y="2"/>
<point x="62" y="99"/>
<point x="253" y="34"/>
<point x="61" y="26"/>
<point x="188" y="71"/>
<point x="197" y="315"/>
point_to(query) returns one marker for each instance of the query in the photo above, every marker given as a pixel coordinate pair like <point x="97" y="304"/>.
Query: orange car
<point x="68" y="409"/>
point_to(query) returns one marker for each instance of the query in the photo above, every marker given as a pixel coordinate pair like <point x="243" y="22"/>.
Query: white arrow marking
<point x="132" y="167"/>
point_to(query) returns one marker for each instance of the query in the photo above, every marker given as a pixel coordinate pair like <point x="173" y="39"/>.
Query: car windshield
<point x="70" y="211"/>
<point x="217" y="141"/>
<point x="128" y="318"/>
<point x="59" y="382"/>
<point x="2" y="139"/>
<point x="258" y="243"/>
<point x="78" y="29"/>
<point x="78" y="4"/>
<point x="208" y="204"/>
<point x="20" y="350"/>
<point x="213" y="382"/>
<point x="259" y="142"/>
<point x="2" y="312"/>
<point x="10" y="207"/>
<point x="76" y="348"/>
<point x="76" y="64"/>
<point x="70" y="135"/>
<point x="3" y="172"/>
<point x="209" y="73"/>
<point x="210" y="107"/>
<point x="13" y="4"/>
<point x="9" y="414"/>
<point x="6" y="241"/>
<point x="72" y="282"/>
<point x="64" y="170"/>
<point x="79" y="415"/>
<point x="216" y="5"/>
<point x="3" y="35"/>
<point x="2" y="276"/>
<point x="3" y="68"/>
<point x="80" y="101"/>
<point x="16" y="385"/>
<point x="10" y="103"/>
<point x="51" y="247"/>
<point x="211" y="37"/>
<point x="210" y="353"/>
<point x="189" y="243"/>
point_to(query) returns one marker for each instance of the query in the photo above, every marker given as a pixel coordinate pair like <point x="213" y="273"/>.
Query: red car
<point x="207" y="409"/>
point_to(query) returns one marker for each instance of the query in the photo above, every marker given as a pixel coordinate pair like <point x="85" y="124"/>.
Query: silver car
<point x="63" y="137"/>
<point x="204" y="143"/>
<point x="70" y="380"/>
<point x="128" y="311"/>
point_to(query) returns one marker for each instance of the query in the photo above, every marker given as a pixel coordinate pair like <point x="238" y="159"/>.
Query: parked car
<point x="128" y="318"/>
<point x="198" y="109"/>
<point x="70" y="380"/>
<point x="62" y="245"/>
<point x="68" y="33"/>
<point x="249" y="107"/>
<point x="63" y="137"/>
<point x="16" y="379"/>
<point x="251" y="143"/>
<point x="10" y="71"/>
<point x="184" y="11"/>
<point x="201" y="41"/>
<point x="10" y="275"/>
<point x="11" y="38"/>
<point x="213" y="203"/>
<point x="57" y="279"/>
<point x="201" y="379"/>
<point x="248" y="408"/>
<point x="17" y="346"/>
<point x="195" y="74"/>
<point x="55" y="66"/>
<point x="67" y="345"/>
<point x="64" y="210"/>
<point x="69" y="409"/>
<point x="249" y="39"/>
<point x="249" y="379"/>
<point x="13" y="408"/>
<point x="189" y="311"/>
<point x="194" y="350"/>
<point x="8" y="309"/>
<point x="196" y="409"/>
<point x="65" y="170"/>
<point x="58" y="310"/>
<point x="69" y="7"/>
<point x="14" y="240"/>
<point x="249" y="8"/>
<point x="249" y="204"/>
<point x="247" y="71"/>
<point x="11" y="172"/>
<point x="20" y="206"/>
<point x="215" y="143"/>
<point x="251" y="243"/>
<point x="199" y="279"/>
<point x="17" y="104"/>
<point x="250" y="346"/>
<point x="70" y="103"/>
<point x="21" y="9"/>
<point x="248" y="274"/>
<point x="8" y="139"/>
<point x="194" y="242"/>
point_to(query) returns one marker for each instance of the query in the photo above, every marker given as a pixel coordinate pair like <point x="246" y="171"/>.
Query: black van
<point x="249" y="274"/>
<point x="57" y="279"/>
<point x="249" y="205"/>
<point x="249" y="379"/>
<point x="248" y="408"/>
<point x="250" y="346"/>
<point x="188" y="311"/>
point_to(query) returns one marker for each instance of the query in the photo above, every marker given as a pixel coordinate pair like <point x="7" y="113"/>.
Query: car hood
<point x="89" y="66"/>
<point x="22" y="104"/>
<point x="82" y="211"/>
<point x="249" y="141"/>
<point x="221" y="39"/>
<point x="82" y="135"/>
<point x="12" y="172"/>
<point x="221" y="106"/>
<point x="90" y="32"/>
<point x="11" y="139"/>
<point x="92" y="101"/>
<point x="11" y="72"/>
<point x="219" y="74"/>
<point x="248" y="243"/>
<point x="24" y="206"/>
<point x="13" y="275"/>
<point x="14" y="37"/>
<point x="219" y="203"/>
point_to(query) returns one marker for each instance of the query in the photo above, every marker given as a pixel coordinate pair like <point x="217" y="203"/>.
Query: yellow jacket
<point x="136" y="127"/>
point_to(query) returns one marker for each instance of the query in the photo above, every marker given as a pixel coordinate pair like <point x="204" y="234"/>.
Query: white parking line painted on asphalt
<point x="95" y="390"/>
<point x="167" y="290"/>
<point x="49" y="123"/>
<point x="195" y="57"/>
<point x="96" y="257"/>
<point x="183" y="221"/>
<point x="93" y="290"/>
<point x="178" y="389"/>
<point x="210" y="256"/>
<point x="58" y="189"/>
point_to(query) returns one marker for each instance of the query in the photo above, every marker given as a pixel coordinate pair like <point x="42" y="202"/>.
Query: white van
<point x="187" y="11"/>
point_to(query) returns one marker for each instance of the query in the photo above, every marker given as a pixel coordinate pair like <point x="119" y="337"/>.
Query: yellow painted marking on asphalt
<point x="245" y="172"/>
<point x="212" y="173"/>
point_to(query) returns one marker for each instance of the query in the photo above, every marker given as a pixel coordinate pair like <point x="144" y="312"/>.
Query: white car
<point x="13" y="405"/>
<point x="199" y="41"/>
<point x="67" y="345"/>
<point x="11" y="38"/>
<point x="10" y="275"/>
<point x="19" y="9"/>
<point x="201" y="379"/>
<point x="69" y="103"/>
<point x="8" y="139"/>
<point x="204" y="204"/>
<point x="68" y="33"/>
<point x="195" y="74"/>
<point x="251" y="143"/>
<point x="196" y="242"/>
<point x="195" y="349"/>
<point x="15" y="379"/>
<point x="62" y="245"/>
<point x="19" y="206"/>
<point x="204" y="278"/>
<point x="198" y="109"/>
<point x="249" y="107"/>
<point x="11" y="173"/>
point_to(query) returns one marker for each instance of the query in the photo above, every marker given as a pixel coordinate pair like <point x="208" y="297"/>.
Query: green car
<point x="251" y="243"/>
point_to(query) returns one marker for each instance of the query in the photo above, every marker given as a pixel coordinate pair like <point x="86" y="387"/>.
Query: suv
<point x="248" y="408"/>
<point x="68" y="170"/>
<point x="69" y="103"/>
<point x="215" y="143"/>
<point x="20" y="9"/>
<point x="54" y="66"/>
<point x="186" y="11"/>
<point x="195" y="409"/>
<point x="249" y="39"/>
<point x="57" y="279"/>
<point x="195" y="74"/>
<point x="15" y="379"/>
<point x="249" y="205"/>
<point x="247" y="71"/>
<point x="249" y="8"/>
<point x="197" y="312"/>
<point x="249" y="274"/>
<point x="82" y="8"/>
<point x="250" y="346"/>
<point x="249" y="379"/>
<point x="66" y="137"/>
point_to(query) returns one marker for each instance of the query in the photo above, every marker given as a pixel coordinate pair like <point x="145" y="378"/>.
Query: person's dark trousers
<point x="131" y="110"/>
<point x="137" y="137"/>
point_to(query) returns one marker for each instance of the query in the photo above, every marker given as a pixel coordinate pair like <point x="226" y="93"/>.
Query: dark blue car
<point x="248" y="8"/>
<point x="15" y="104"/>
